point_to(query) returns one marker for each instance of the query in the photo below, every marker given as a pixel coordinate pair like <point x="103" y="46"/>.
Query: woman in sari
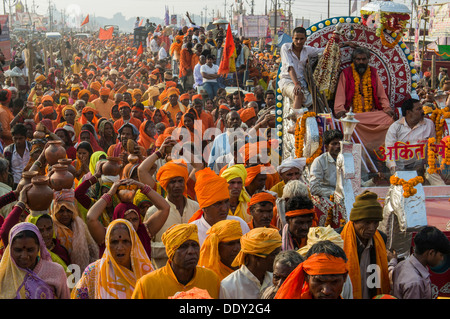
<point x="107" y="135"/>
<point x="81" y="163"/>
<point x="71" y="230"/>
<point x="147" y="136"/>
<point x="58" y="253"/>
<point x="87" y="136"/>
<point x="27" y="270"/>
<point x="63" y="134"/>
<point x="114" y="276"/>
<point x="129" y="212"/>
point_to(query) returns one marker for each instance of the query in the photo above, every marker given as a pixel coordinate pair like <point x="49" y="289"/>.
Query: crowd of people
<point x="201" y="206"/>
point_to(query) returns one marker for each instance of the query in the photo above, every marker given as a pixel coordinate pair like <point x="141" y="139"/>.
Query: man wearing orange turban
<point x="181" y="272"/>
<point x="261" y="209"/>
<point x="214" y="200"/>
<point x="104" y="104"/>
<point x="248" y="116"/>
<point x="259" y="248"/>
<point x="220" y="247"/>
<point x="256" y="179"/>
<point x="172" y="177"/>
<point x="95" y="90"/>
<point x="321" y="276"/>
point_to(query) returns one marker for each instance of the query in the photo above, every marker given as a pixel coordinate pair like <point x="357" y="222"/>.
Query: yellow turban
<point x="178" y="234"/>
<point x="223" y="231"/>
<point x="40" y="78"/>
<point x="260" y="241"/>
<point x="236" y="171"/>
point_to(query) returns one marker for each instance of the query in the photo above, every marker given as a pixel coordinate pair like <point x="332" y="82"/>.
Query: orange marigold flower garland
<point x="431" y="156"/>
<point x="408" y="186"/>
<point x="367" y="91"/>
<point x="300" y="131"/>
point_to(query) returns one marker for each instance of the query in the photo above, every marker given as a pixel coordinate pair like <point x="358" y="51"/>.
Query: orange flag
<point x="228" y="50"/>
<point x="105" y="34"/>
<point x="86" y="20"/>
<point x="140" y="49"/>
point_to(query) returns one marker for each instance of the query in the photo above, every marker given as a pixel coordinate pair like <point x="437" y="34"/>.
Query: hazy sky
<point x="309" y="9"/>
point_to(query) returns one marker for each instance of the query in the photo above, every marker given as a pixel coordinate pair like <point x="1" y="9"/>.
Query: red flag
<point x="86" y="20"/>
<point x="105" y="34"/>
<point x="228" y="50"/>
<point x="140" y="49"/>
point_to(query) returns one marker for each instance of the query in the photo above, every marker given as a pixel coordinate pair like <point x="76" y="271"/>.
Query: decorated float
<point x="409" y="202"/>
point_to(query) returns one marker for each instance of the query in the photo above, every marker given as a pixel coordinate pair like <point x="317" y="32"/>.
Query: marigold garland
<point x="367" y="91"/>
<point x="431" y="156"/>
<point x="408" y="186"/>
<point x="386" y="43"/>
<point x="300" y="131"/>
<point x="438" y="116"/>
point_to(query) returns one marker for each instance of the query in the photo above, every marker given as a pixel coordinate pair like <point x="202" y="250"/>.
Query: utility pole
<point x="225" y="9"/>
<point x="328" y="9"/>
<point x="206" y="14"/>
<point x="276" y="15"/>
<point x="252" y="7"/>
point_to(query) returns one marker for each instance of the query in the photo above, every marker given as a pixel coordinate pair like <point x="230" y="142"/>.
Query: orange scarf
<point x="350" y="248"/>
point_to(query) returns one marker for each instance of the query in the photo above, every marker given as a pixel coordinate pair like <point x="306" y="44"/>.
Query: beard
<point x="361" y="68"/>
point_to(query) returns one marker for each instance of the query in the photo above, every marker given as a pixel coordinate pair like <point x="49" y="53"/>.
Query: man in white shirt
<point x="18" y="153"/>
<point x="294" y="57"/>
<point x="198" y="78"/>
<point x="154" y="45"/>
<point x="210" y="74"/>
<point x="259" y="247"/>
<point x="323" y="169"/>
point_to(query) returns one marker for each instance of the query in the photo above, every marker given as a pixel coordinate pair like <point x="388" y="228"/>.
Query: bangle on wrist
<point x="107" y="198"/>
<point x="146" y="189"/>
<point x="21" y="205"/>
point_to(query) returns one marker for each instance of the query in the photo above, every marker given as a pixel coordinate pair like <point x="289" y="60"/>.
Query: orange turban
<point x="261" y="197"/>
<point x="173" y="91"/>
<point x="136" y="91"/>
<point x="178" y="234"/>
<point x="184" y="96"/>
<point x="96" y="85"/>
<point x="247" y="114"/>
<point x="250" y="150"/>
<point x="47" y="98"/>
<point x="170" y="84"/>
<point x="47" y="110"/>
<point x="252" y="172"/>
<point x="249" y="97"/>
<point x="295" y="287"/>
<point x="302" y="212"/>
<point x="224" y="107"/>
<point x="210" y="188"/>
<point x="197" y="96"/>
<point x="105" y="91"/>
<point x="124" y="104"/>
<point x="260" y="241"/>
<point x="171" y="170"/>
<point x="83" y="92"/>
<point x="223" y="231"/>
